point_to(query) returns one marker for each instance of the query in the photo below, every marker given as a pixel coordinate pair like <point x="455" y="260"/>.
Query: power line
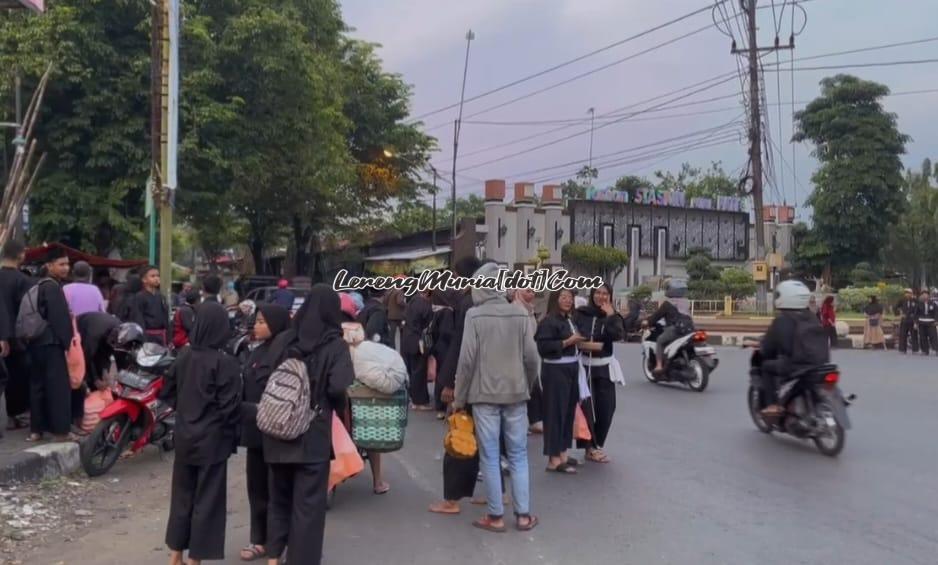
<point x="571" y="61"/>
<point x="865" y="65"/>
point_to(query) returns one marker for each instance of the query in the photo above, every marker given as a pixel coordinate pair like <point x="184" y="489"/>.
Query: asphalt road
<point x="691" y="482"/>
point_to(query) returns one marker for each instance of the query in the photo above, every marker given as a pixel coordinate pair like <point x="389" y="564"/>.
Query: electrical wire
<point x="569" y="62"/>
<point x="866" y="65"/>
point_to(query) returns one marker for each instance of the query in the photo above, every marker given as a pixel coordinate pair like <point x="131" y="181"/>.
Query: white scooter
<point x="689" y="359"/>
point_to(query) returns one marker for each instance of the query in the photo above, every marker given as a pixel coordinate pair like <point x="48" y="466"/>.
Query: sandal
<point x="572" y="462"/>
<point x="597" y="456"/>
<point x="253" y="552"/>
<point x="33" y="438"/>
<point x="382" y="488"/>
<point x="487" y="523"/>
<point x="532" y="522"/>
<point x="443" y="508"/>
<point x="564" y="468"/>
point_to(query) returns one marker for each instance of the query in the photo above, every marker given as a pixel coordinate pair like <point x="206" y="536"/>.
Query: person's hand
<point x="573" y="340"/>
<point x="4" y="348"/>
<point x="644" y="324"/>
<point x="100" y="384"/>
<point x="447" y="395"/>
<point x="607" y="309"/>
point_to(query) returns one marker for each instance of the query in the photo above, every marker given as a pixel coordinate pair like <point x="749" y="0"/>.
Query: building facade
<point x="516" y="232"/>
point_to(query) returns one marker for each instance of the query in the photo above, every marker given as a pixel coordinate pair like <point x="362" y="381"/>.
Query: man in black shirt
<point x="211" y="286"/>
<point x="152" y="313"/>
<point x="927" y="314"/>
<point x="53" y="403"/>
<point x="13" y="285"/>
<point x="907" y="308"/>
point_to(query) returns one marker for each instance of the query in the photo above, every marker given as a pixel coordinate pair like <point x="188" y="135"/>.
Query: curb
<point x="41" y="462"/>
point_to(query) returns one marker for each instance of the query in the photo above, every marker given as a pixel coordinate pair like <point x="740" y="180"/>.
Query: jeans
<point x="667" y="336"/>
<point x="493" y="421"/>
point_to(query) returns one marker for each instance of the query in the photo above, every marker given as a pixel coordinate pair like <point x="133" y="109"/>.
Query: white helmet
<point x="792" y="295"/>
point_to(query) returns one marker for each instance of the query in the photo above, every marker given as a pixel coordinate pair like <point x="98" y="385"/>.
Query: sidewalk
<point x="24" y="461"/>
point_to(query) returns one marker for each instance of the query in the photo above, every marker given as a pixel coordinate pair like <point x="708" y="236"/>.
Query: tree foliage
<point x="858" y="187"/>
<point x="698" y="183"/>
<point x="414" y="216"/>
<point x="911" y="250"/>
<point x="607" y="262"/>
<point x="809" y="255"/>
<point x="737" y="283"/>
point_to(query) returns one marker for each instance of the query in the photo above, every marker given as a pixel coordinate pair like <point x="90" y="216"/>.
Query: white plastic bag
<point x="379" y="367"/>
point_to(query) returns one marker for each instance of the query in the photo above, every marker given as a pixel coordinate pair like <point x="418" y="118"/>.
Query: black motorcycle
<point x="814" y="406"/>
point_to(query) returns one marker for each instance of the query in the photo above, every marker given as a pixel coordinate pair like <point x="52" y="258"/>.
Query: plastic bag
<point x="347" y="462"/>
<point x="379" y="367"/>
<point x="95" y="403"/>
<point x="75" y="357"/>
<point x="581" y="428"/>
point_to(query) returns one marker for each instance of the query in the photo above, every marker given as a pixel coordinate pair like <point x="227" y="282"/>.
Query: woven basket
<point x="379" y="421"/>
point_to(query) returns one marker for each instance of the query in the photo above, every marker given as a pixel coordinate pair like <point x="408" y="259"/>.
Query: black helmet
<point x="676" y="288"/>
<point x="125" y="337"/>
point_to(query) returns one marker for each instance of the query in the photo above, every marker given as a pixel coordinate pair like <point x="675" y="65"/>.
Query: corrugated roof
<point x="410" y="255"/>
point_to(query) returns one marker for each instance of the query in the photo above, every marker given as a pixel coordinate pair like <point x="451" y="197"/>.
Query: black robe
<point x="94" y="328"/>
<point x="374" y="318"/>
<point x="599" y="409"/>
<point x="14" y="370"/>
<point x="204" y="387"/>
<point x="53" y="403"/>
<point x="417" y="317"/>
<point x="151" y="311"/>
<point x="559" y="383"/>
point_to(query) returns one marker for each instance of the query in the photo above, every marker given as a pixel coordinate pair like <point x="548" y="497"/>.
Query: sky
<point x="424" y="41"/>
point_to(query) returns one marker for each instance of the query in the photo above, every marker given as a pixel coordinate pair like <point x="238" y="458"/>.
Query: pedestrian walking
<point x="459" y="475"/>
<point x="184" y="319"/>
<point x="926" y="314"/>
<point x="283" y="296"/>
<point x="180" y="298"/>
<point x="829" y="320"/>
<point x="271" y="321"/>
<point x="151" y="311"/>
<point x="907" y="309"/>
<point x="82" y="296"/>
<point x="556" y="339"/>
<point x="444" y="304"/>
<point x="123" y="300"/>
<point x="597" y="322"/>
<point x="204" y="388"/>
<point x="13" y="286"/>
<point x="498" y="366"/>
<point x="373" y="317"/>
<point x="813" y="307"/>
<point x="873" y="335"/>
<point x="417" y="318"/>
<point x="230" y="297"/>
<point x="524" y="299"/>
<point x="299" y="469"/>
<point x="396" y="303"/>
<point x="53" y="403"/>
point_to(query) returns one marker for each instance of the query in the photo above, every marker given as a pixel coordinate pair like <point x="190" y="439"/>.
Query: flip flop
<point x="563" y="468"/>
<point x="438" y="508"/>
<point x="382" y="489"/>
<point x="600" y="458"/>
<point x="254" y="551"/>
<point x="532" y="522"/>
<point x="485" y="523"/>
<point x="572" y="462"/>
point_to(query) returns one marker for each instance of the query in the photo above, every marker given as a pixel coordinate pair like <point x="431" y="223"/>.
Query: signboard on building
<point x="668" y="198"/>
<point x="760" y="271"/>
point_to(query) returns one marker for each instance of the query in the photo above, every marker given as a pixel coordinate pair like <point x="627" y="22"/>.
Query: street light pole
<point x="456" y="127"/>
<point x="435" y="175"/>
<point x="592" y="112"/>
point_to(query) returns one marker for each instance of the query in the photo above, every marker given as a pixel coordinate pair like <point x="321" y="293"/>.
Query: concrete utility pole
<point x="156" y="122"/>
<point x="457" y="125"/>
<point x="755" y="134"/>
<point x="169" y="136"/>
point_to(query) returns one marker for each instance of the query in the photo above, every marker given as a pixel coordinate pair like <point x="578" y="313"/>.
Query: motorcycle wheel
<point x="104" y="446"/>
<point x="831" y="443"/>
<point x="755" y="411"/>
<point x="648" y="367"/>
<point x="701" y="376"/>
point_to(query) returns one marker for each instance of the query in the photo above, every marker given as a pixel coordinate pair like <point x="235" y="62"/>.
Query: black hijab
<point x="276" y="316"/>
<point x="211" y="330"/>
<point x="319" y="320"/>
<point x="592" y="309"/>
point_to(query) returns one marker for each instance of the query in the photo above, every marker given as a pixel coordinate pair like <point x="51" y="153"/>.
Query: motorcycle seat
<point x="819" y="369"/>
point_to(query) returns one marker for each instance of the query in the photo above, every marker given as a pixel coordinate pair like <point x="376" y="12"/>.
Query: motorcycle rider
<point x="907" y="308"/>
<point x="673" y="311"/>
<point x="781" y="354"/>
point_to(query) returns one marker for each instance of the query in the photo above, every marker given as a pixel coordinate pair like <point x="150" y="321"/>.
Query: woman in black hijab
<point x="204" y="387"/>
<point x="271" y="320"/>
<point x="299" y="469"/>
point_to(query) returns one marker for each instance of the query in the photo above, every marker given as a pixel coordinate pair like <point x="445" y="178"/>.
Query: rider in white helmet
<point x="795" y="332"/>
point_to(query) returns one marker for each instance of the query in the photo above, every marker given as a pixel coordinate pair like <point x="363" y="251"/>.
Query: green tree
<point x="737" y="283"/>
<point x="858" y="187"/>
<point x="809" y="256"/>
<point x="630" y="183"/>
<point x="576" y="188"/>
<point x="703" y="279"/>
<point x="911" y="249"/>
<point x="863" y="274"/>
<point x="94" y="123"/>
<point x="412" y="216"/>
<point x="712" y="183"/>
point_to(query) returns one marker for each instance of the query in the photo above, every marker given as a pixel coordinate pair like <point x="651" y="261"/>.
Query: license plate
<point x="704" y="350"/>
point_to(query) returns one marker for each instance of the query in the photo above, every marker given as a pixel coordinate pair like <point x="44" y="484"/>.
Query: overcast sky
<point x="423" y="40"/>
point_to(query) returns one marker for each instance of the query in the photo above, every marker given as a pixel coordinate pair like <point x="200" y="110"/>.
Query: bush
<point x="595" y="259"/>
<point x="855" y="299"/>
<point x="705" y="290"/>
<point x="699" y="269"/>
<point x="863" y="275"/>
<point x="641" y="292"/>
<point x="737" y="283"/>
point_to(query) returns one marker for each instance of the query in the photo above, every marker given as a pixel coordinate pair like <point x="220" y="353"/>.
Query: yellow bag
<point x="460" y="440"/>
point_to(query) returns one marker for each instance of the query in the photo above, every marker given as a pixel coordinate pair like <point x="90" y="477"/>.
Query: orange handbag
<point x="581" y="428"/>
<point x="460" y="440"/>
<point x="347" y="462"/>
<point x="75" y="358"/>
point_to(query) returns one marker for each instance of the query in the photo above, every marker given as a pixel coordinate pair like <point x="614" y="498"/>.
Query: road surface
<point x="691" y="482"/>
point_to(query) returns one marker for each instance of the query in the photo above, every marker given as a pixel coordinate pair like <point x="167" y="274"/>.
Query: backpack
<point x="811" y="346"/>
<point x="684" y="324"/>
<point x="180" y="336"/>
<point x="30" y="323"/>
<point x="429" y="334"/>
<point x="285" y="410"/>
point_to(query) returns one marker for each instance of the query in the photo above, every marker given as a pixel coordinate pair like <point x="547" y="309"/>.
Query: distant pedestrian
<point x="211" y="288"/>
<point x="151" y="311"/>
<point x="396" y="304"/>
<point x="927" y="313"/>
<point x="873" y="335"/>
<point x="82" y="296"/>
<point x="13" y="286"/>
<point x="283" y="296"/>
<point x="908" y="333"/>
<point x="442" y="330"/>
<point x="813" y="307"/>
<point x="417" y="319"/>
<point x="204" y="387"/>
<point x="829" y="320"/>
<point x="230" y="296"/>
<point x="373" y="317"/>
<point x="184" y="319"/>
<point x="180" y="299"/>
<point x="498" y="366"/>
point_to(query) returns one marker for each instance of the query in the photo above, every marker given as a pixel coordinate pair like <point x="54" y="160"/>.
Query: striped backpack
<point x="285" y="410"/>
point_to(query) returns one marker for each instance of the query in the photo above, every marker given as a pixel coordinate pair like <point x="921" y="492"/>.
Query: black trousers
<point x="18" y="383"/>
<point x="832" y="335"/>
<point x="907" y="331"/>
<point x="197" y="510"/>
<point x="560" y="395"/>
<point x="601" y="408"/>
<point x="535" y="405"/>
<point x="459" y="477"/>
<point x="50" y="394"/>
<point x="928" y="335"/>
<point x="296" y="517"/>
<point x="258" y="494"/>
<point x="417" y="370"/>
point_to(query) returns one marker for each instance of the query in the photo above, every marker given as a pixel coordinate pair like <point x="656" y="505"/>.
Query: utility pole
<point x="755" y="134"/>
<point x="592" y="113"/>
<point x="169" y="136"/>
<point x="435" y="175"/>
<point x="456" y="127"/>
<point x="156" y="122"/>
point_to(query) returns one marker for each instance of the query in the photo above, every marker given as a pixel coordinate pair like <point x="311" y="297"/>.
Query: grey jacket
<point x="498" y="360"/>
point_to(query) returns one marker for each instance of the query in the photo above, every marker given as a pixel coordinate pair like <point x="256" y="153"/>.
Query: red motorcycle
<point x="136" y="418"/>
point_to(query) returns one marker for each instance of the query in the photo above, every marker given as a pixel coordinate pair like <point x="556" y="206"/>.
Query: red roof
<point x="37" y="255"/>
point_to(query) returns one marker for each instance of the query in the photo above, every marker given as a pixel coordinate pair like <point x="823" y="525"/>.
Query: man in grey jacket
<point x="498" y="366"/>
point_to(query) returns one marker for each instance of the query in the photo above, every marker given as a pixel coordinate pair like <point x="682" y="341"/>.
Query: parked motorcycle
<point x="242" y="327"/>
<point x="815" y="407"/>
<point x="689" y="360"/>
<point x="136" y="418"/>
